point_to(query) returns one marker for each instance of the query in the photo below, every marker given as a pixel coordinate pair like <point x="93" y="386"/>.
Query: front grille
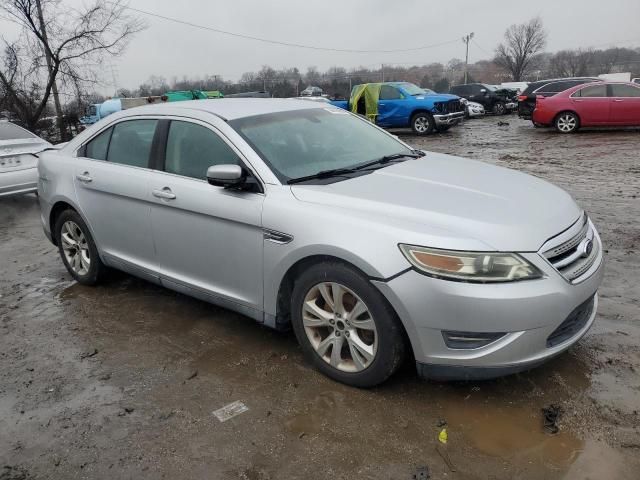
<point x="575" y="256"/>
<point x="575" y="322"/>
<point x="451" y="106"/>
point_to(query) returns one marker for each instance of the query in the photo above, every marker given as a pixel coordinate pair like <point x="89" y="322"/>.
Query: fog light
<point x="469" y="340"/>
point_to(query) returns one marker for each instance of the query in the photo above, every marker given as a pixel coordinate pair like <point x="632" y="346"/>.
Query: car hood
<point x="438" y="97"/>
<point x="503" y="209"/>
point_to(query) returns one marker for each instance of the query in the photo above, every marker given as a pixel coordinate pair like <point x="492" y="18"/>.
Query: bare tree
<point x="521" y="45"/>
<point x="61" y="41"/>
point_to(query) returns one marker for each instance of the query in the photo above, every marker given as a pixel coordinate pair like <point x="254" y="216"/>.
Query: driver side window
<point x="192" y="149"/>
<point x="387" y="92"/>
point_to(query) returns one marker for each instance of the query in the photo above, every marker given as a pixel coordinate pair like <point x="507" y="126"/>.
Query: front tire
<point x="77" y="248"/>
<point x="344" y="325"/>
<point x="499" y="108"/>
<point x="422" y="123"/>
<point x="567" y="122"/>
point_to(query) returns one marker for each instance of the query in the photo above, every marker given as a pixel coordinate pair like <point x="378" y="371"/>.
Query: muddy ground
<point x="120" y="381"/>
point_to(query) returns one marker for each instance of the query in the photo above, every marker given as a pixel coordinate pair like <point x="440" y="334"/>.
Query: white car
<point x="18" y="161"/>
<point x="474" y="109"/>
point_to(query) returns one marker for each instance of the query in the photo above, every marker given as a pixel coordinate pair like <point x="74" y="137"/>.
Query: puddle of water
<point x="512" y="432"/>
<point x="323" y="407"/>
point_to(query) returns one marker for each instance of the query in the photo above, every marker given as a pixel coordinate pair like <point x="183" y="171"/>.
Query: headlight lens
<point x="481" y="267"/>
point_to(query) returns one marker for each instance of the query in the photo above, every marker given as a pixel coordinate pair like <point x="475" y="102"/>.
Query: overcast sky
<point x="174" y="50"/>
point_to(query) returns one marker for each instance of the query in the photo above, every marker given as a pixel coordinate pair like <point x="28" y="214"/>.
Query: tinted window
<point x="460" y="90"/>
<point x="131" y="142"/>
<point x="97" y="148"/>
<point x="593" y="91"/>
<point x="387" y="92"/>
<point x="618" y="90"/>
<point x="553" y="87"/>
<point x="192" y="149"/>
<point x="9" y="131"/>
<point x="532" y="88"/>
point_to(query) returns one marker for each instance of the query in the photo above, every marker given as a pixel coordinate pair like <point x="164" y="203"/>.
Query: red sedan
<point x="602" y="104"/>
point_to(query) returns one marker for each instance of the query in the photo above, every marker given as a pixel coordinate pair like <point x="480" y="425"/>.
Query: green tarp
<point x="180" y="95"/>
<point x="369" y="92"/>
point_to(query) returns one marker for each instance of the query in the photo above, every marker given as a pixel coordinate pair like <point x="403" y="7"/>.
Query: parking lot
<point x="121" y="380"/>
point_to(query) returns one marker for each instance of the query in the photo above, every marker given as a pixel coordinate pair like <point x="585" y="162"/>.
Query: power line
<point x="287" y="44"/>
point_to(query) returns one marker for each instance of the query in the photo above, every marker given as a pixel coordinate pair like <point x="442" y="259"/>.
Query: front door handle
<point x="618" y="100"/>
<point x="84" y="178"/>
<point x="165" y="193"/>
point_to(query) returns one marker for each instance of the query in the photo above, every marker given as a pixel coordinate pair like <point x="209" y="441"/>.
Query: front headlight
<point x="480" y="267"/>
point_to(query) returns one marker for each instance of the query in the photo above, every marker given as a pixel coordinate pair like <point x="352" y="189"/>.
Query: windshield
<point x="413" y="89"/>
<point x="299" y="143"/>
<point x="9" y="131"/>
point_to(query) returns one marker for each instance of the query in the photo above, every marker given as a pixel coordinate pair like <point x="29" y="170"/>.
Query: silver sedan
<point x="18" y="161"/>
<point x="299" y="214"/>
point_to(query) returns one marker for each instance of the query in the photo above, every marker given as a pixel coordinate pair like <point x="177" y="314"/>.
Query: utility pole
<point x="54" y="87"/>
<point x="382" y="66"/>
<point x="466" y="39"/>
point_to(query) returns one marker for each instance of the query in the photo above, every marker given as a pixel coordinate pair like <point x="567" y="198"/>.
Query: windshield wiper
<point x="337" y="172"/>
<point x="390" y="158"/>
<point x="334" y="172"/>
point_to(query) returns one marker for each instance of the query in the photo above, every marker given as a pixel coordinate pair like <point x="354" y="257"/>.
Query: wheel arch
<point x="59" y="206"/>
<point x="285" y="289"/>
<point x="419" y="110"/>
<point x="567" y="110"/>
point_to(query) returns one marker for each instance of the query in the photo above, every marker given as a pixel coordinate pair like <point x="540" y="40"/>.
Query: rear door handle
<point x="618" y="100"/>
<point x="165" y="193"/>
<point x="84" y="178"/>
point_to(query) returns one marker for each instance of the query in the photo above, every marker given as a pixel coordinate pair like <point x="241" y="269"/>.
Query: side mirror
<point x="226" y="175"/>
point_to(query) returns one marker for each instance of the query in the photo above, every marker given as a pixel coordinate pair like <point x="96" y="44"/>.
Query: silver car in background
<point x="18" y="160"/>
<point x="301" y="214"/>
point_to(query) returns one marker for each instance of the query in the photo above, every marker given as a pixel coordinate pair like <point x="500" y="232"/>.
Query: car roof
<point x="229" y="108"/>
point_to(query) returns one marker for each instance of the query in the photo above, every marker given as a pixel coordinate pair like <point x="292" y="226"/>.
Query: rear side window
<point x="97" y="148"/>
<point x="592" y="91"/>
<point x="387" y="92"/>
<point x="192" y="149"/>
<point x="619" y="90"/>
<point x="458" y="90"/>
<point x="131" y="142"/>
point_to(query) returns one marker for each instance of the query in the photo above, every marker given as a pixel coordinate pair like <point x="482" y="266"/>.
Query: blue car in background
<point x="403" y="104"/>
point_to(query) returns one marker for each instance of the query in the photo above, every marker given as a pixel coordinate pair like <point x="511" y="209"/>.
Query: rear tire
<point x="333" y="306"/>
<point x="77" y="249"/>
<point x="422" y="123"/>
<point x="567" y="122"/>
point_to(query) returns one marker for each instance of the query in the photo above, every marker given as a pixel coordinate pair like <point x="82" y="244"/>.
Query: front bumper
<point x="15" y="182"/>
<point x="475" y="112"/>
<point x="527" y="311"/>
<point x="448" y="118"/>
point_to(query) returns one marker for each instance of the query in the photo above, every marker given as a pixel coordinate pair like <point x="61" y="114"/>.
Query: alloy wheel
<point x="340" y="327"/>
<point x="567" y="123"/>
<point x="75" y="247"/>
<point x="421" y="124"/>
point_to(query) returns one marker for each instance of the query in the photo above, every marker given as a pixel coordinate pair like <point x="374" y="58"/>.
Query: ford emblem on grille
<point x="586" y="247"/>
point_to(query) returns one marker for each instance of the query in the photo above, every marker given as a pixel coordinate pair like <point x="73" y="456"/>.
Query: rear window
<point x="9" y="131"/>
<point x="533" y="86"/>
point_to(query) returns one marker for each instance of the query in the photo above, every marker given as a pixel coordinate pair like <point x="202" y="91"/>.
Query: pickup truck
<point x="403" y="104"/>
